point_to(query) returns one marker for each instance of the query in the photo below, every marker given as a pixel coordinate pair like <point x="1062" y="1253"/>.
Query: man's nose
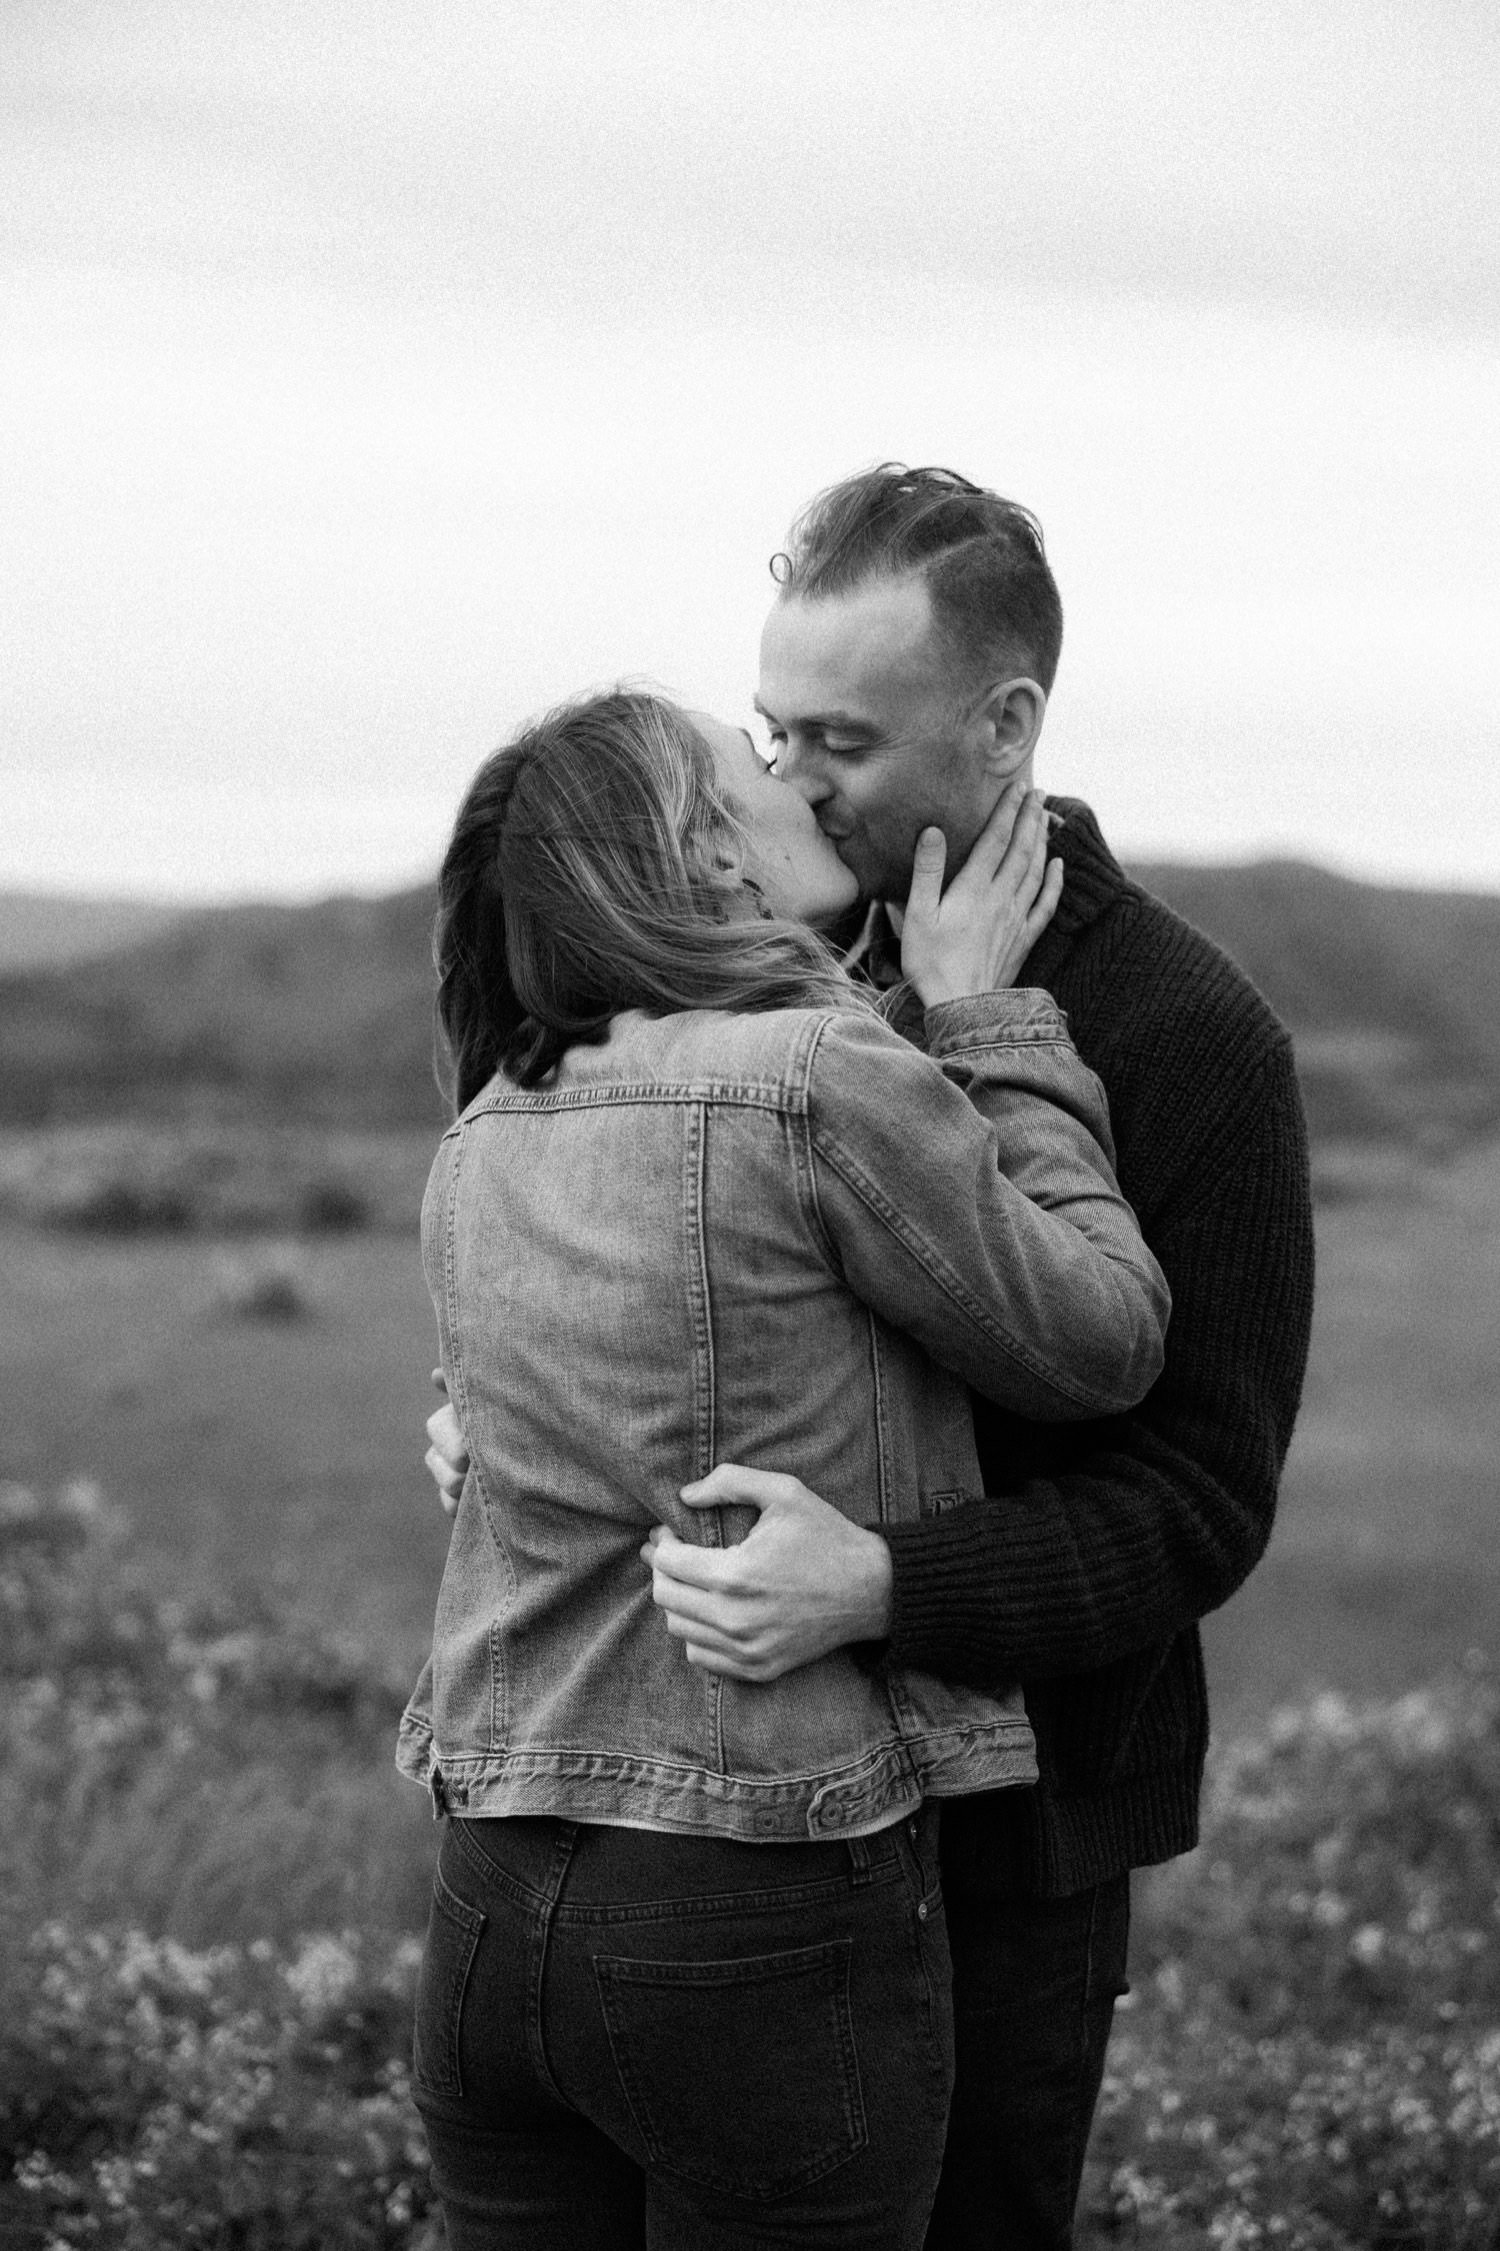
<point x="799" y="765"/>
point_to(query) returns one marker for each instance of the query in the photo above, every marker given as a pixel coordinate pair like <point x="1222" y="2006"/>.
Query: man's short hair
<point x="982" y="558"/>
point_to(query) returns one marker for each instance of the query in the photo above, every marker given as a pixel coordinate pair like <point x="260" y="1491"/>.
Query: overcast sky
<point x="373" y="372"/>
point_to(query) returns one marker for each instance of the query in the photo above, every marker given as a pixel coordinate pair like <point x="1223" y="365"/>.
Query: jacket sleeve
<point x="1162" y="1512"/>
<point x="974" y="1205"/>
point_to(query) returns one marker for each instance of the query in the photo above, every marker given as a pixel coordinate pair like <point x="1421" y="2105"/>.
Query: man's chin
<point x="867" y="874"/>
<point x="887" y="884"/>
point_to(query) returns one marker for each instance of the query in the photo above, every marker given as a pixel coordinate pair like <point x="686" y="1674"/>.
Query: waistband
<point x="604" y="1865"/>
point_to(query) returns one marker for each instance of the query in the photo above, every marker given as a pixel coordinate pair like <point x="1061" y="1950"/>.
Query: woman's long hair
<point x="595" y="867"/>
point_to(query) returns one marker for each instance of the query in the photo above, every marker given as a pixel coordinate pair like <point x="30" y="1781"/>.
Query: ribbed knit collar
<point x="1093" y="880"/>
<point x="1092" y="877"/>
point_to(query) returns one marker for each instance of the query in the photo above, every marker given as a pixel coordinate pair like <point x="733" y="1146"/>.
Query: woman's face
<point x="797" y="870"/>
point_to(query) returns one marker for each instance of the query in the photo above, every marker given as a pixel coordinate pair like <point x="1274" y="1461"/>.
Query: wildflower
<point x="1234" y="2230"/>
<point x="322" y="1974"/>
<point x="1171" y="1986"/>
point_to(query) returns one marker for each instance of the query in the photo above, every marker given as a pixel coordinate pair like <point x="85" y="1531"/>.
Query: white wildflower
<point x="322" y="1974"/>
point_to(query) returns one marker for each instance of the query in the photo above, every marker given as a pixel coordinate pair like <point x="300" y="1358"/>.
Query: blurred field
<point x="208" y="1895"/>
<point x="196" y="1778"/>
<point x="247" y="1452"/>
<point x="1385" y="1565"/>
<point x="285" y="1453"/>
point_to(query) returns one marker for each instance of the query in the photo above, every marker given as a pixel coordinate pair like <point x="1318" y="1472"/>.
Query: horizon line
<point x="21" y="890"/>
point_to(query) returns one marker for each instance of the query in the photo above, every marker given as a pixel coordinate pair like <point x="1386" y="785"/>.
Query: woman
<point x="686" y="1976"/>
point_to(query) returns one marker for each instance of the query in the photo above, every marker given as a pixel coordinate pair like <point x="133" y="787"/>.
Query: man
<point x="905" y="670"/>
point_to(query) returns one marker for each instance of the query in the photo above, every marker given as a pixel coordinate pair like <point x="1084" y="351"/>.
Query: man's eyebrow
<point x="849" y="721"/>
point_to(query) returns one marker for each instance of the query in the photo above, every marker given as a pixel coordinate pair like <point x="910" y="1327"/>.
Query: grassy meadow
<point x="251" y="1450"/>
<point x="218" y="1556"/>
<point x="1385" y="1565"/>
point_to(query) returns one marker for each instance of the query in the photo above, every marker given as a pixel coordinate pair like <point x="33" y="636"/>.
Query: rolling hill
<point x="43" y="929"/>
<point x="308" y="1012"/>
<point x="1392" y="995"/>
<point x="322" y="1013"/>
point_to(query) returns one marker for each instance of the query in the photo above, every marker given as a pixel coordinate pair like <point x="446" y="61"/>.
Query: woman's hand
<point x="973" y="937"/>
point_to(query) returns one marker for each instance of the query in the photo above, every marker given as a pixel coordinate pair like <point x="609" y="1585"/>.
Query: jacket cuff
<point x="1021" y="1012"/>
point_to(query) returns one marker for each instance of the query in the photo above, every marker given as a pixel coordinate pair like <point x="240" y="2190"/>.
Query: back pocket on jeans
<point x="741" y="2076"/>
<point x="453" y="1934"/>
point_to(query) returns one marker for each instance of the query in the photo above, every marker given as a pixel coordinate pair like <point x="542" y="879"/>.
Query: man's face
<point x="866" y="724"/>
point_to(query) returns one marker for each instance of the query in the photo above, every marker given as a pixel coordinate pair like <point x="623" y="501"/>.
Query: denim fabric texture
<point x="626" y="2038"/>
<point x="787" y="1240"/>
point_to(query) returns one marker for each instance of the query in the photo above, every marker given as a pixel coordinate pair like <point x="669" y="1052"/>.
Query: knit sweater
<point x="1103" y="1544"/>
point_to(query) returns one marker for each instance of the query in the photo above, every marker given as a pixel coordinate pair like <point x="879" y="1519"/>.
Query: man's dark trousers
<point x="1035" y="1983"/>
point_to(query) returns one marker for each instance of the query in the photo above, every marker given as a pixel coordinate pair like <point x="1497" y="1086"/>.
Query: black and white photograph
<point x="749" y="1125"/>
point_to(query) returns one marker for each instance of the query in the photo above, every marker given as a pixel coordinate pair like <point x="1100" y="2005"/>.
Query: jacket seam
<point x="882" y="1431"/>
<point x="544" y="1753"/>
<point x="747" y="1094"/>
<point x="705" y="1407"/>
<point x="945" y="1051"/>
<point x="450" y="1299"/>
<point x="704" y="1403"/>
<point x="808" y="1169"/>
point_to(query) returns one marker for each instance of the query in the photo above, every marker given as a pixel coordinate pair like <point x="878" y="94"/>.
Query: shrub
<point x="267" y="1284"/>
<point x="205" y="1773"/>
<point x="218" y="1177"/>
<point x="332" y="1207"/>
<point x="196" y="1772"/>
<point x="1313" y="2057"/>
<point x="247" y="2095"/>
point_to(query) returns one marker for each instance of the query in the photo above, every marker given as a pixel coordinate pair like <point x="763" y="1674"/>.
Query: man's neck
<point x="1092" y="879"/>
<point x="895" y="911"/>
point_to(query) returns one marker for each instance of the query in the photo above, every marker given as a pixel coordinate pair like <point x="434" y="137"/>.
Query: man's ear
<point x="1013" y="712"/>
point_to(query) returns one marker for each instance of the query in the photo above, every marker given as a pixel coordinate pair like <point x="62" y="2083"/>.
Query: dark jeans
<point x="626" y="2039"/>
<point x="1035" y="1983"/>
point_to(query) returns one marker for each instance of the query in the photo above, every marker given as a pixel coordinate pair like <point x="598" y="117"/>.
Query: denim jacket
<point x="788" y="1240"/>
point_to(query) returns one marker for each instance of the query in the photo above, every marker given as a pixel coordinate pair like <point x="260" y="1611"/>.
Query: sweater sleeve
<point x="1153" y="1517"/>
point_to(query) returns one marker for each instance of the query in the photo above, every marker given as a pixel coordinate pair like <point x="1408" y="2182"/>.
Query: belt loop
<point x="859" y="1860"/>
<point x="564" y="1845"/>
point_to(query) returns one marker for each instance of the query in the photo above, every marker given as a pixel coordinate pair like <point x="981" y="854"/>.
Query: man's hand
<point x="806" y="1581"/>
<point x="973" y="937"/>
<point x="447" y="1457"/>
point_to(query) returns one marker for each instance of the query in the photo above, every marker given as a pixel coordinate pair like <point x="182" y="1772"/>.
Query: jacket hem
<point x="618" y="1790"/>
